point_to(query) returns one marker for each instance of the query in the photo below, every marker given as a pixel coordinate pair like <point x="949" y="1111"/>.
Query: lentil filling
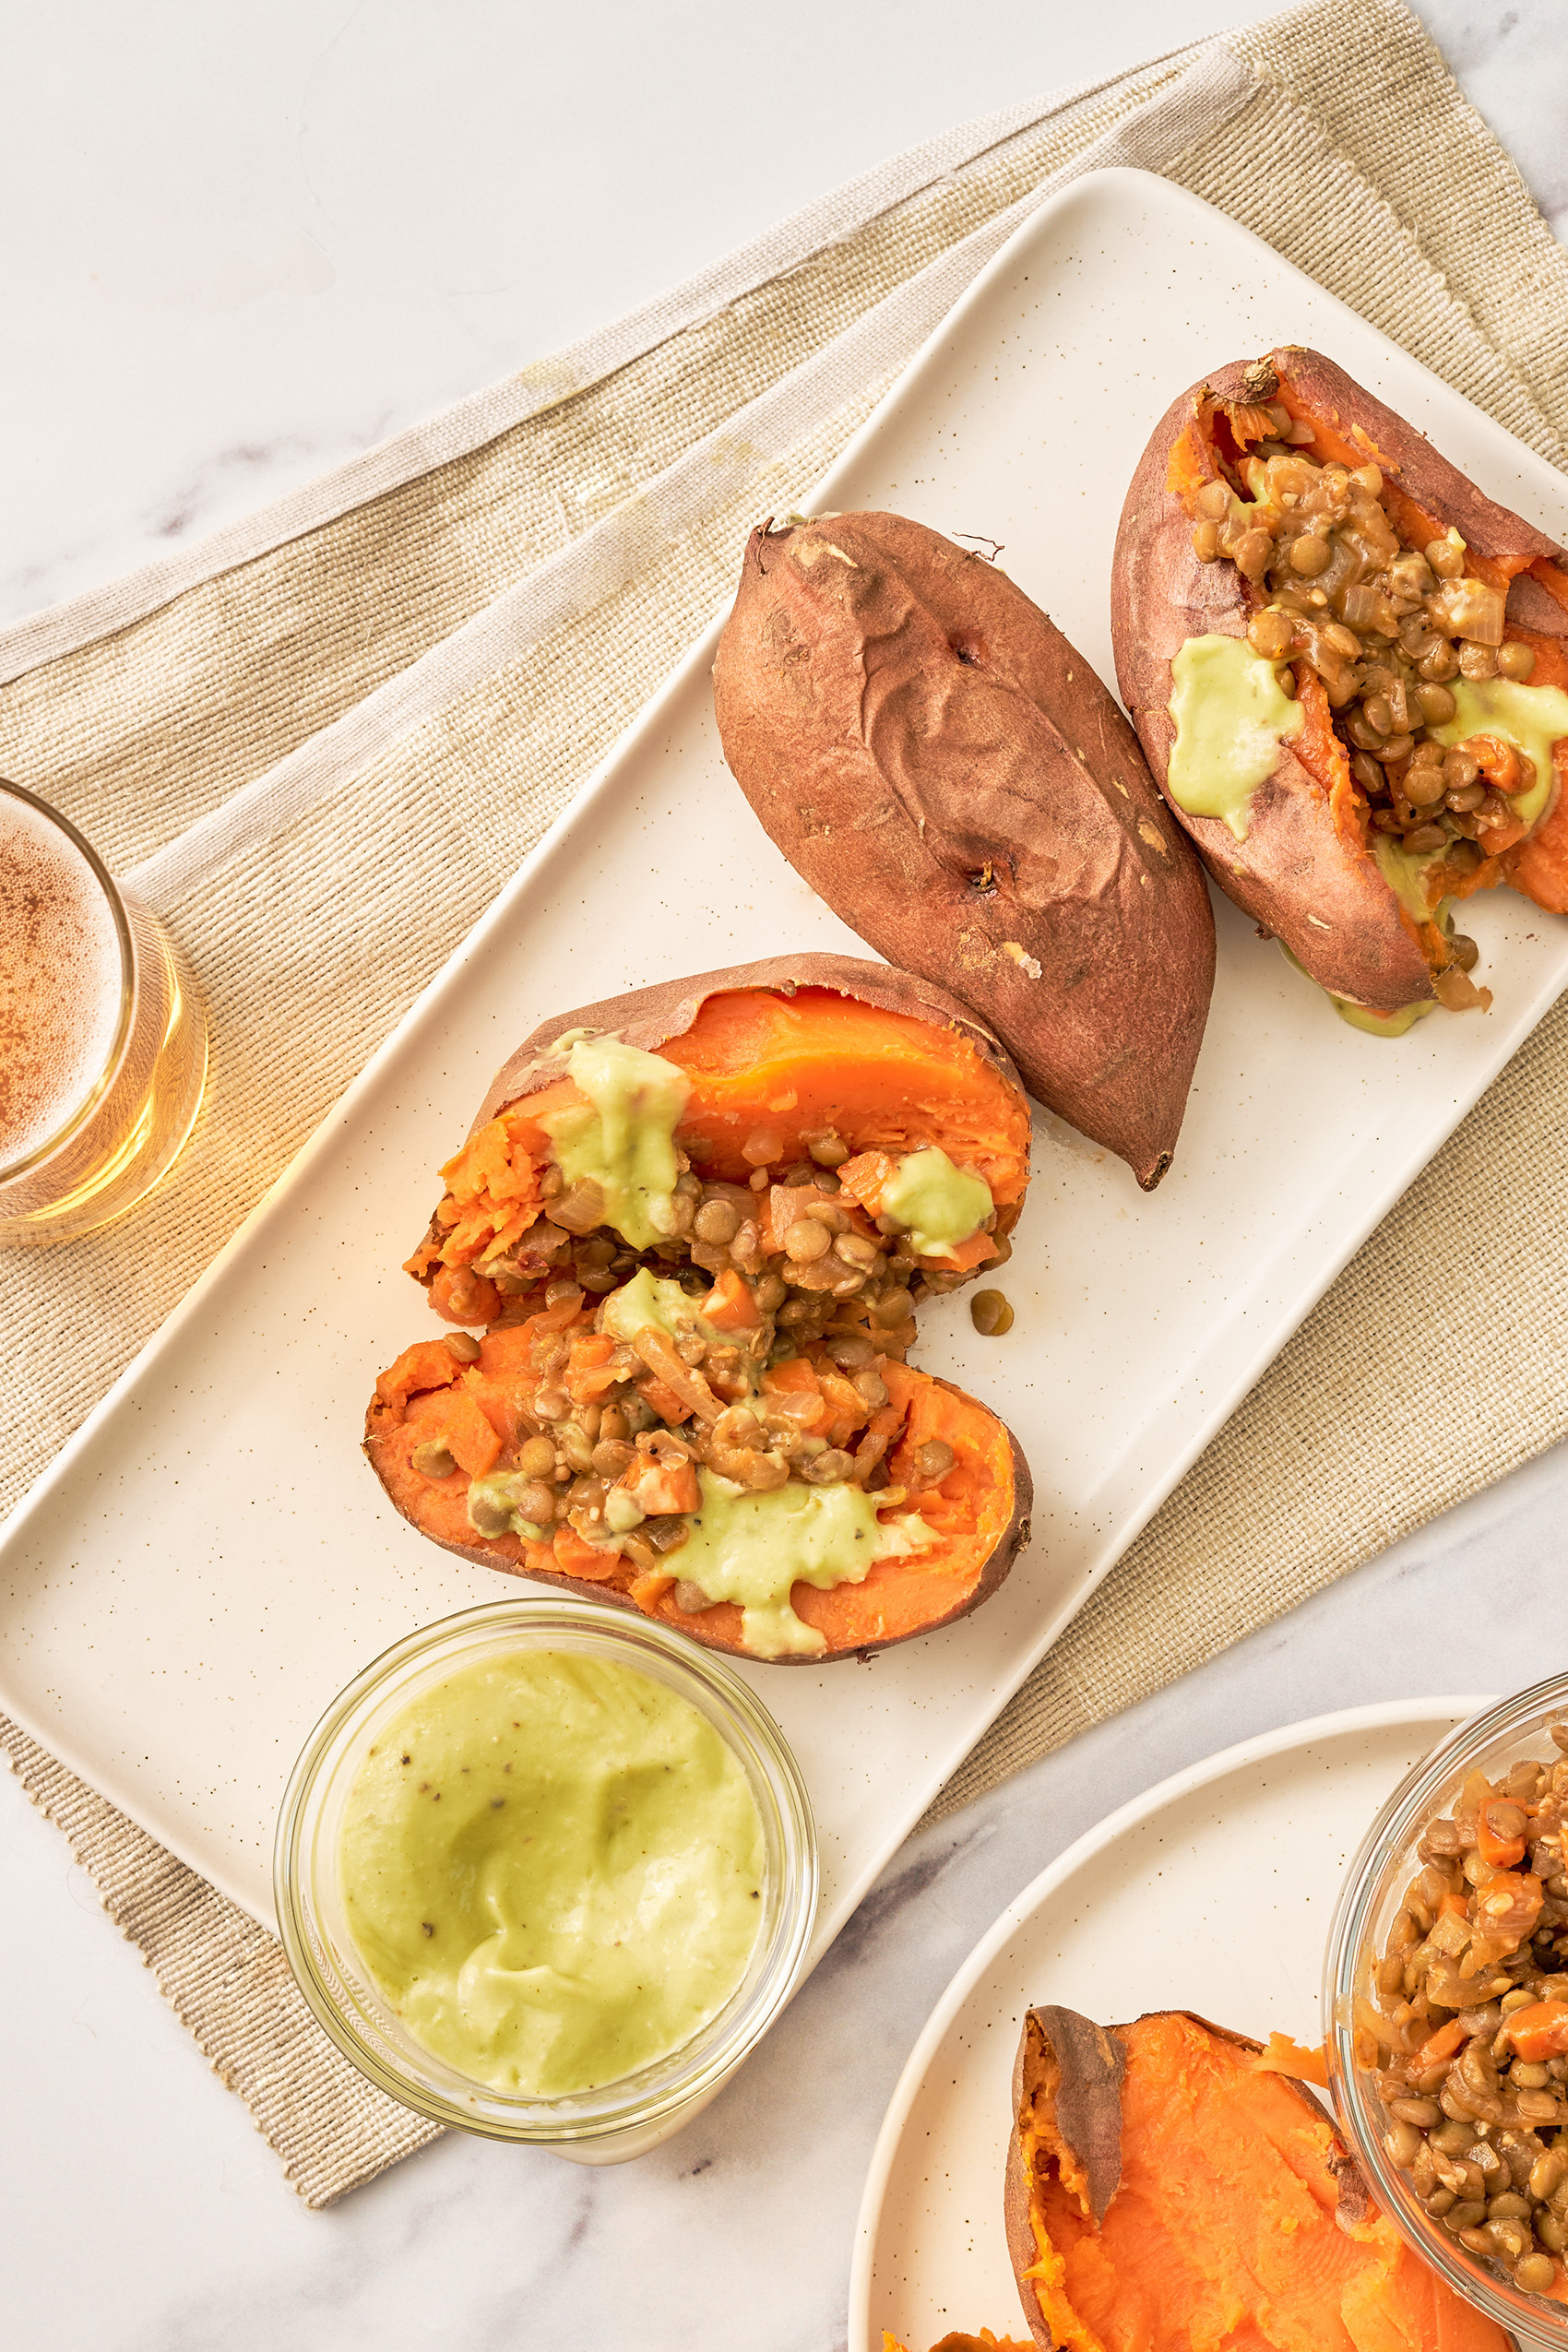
<point x="1382" y="623"/>
<point x="1464" y="2027"/>
<point x="760" y="1340"/>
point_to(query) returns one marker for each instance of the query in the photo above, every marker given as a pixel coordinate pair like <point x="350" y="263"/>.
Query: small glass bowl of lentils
<point x="1446" y="2002"/>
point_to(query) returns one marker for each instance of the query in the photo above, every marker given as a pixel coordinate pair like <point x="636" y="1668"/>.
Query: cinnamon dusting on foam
<point x="60" y="980"/>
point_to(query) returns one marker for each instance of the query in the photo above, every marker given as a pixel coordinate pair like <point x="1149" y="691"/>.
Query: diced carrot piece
<point x="429" y="1364"/>
<point x="964" y="1254"/>
<point x="1539" y="2031"/>
<point x="731" y="1304"/>
<point x="794" y="1388"/>
<point x="1456" y="1904"/>
<point x="1500" y="1852"/>
<point x="587" y="1372"/>
<point x="866" y="1177"/>
<point x="663" y="1486"/>
<point x="1438" y="2046"/>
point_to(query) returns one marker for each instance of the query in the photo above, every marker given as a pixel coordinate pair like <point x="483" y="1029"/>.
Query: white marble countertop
<point x="257" y="243"/>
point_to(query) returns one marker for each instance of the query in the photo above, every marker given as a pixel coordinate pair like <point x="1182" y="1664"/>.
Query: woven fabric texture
<point x="467" y="619"/>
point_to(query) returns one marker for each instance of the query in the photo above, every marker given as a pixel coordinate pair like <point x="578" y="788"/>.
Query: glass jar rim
<point x="776" y="1785"/>
<point x="78" y="1118"/>
<point x="1387" y="1845"/>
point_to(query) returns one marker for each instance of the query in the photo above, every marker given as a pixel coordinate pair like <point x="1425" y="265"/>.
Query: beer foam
<point x="60" y="980"/>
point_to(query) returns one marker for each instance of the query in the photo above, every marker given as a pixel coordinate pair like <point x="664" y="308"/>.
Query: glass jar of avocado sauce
<point x="547" y="1874"/>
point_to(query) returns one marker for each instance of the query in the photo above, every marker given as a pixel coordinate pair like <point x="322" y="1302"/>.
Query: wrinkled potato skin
<point x="1073" y="2037"/>
<point x="943" y="768"/>
<point x="1294" y="874"/>
<point x="704" y="1628"/>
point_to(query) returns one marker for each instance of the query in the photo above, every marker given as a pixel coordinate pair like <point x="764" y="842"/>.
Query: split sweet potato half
<point x="1349" y="671"/>
<point x="934" y="758"/>
<point x="1166" y="2187"/>
<point x="695" y="1223"/>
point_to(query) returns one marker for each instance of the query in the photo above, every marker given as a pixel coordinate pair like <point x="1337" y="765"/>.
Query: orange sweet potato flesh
<point x="1163" y="2194"/>
<point x="934" y="758"/>
<point x="786" y="1048"/>
<point x="1303" y="871"/>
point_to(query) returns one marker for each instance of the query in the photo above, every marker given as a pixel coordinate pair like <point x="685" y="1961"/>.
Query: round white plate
<point x="1212" y="1892"/>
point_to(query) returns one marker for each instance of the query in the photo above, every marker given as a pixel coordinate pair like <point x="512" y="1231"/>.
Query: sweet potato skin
<point x="1296" y="874"/>
<point x="718" y="1628"/>
<point x="944" y="771"/>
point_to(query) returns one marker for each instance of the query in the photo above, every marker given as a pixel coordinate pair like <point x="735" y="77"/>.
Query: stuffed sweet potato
<point x="931" y="753"/>
<point x="1349" y="671"/>
<point x="1166" y="2190"/>
<point x="695" y="1221"/>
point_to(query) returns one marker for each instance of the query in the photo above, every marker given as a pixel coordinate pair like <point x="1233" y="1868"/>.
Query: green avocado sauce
<point x="1397" y="1024"/>
<point x="1231" y="714"/>
<point x="750" y="1549"/>
<point x="623" y="1137"/>
<point x="649" y="1298"/>
<point x="1411" y="875"/>
<point x="1530" y="718"/>
<point x="938" y="1203"/>
<point x="552" y="1866"/>
<point x="1361" y="1016"/>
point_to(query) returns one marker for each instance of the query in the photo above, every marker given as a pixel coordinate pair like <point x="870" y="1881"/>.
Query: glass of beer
<point x="103" y="1035"/>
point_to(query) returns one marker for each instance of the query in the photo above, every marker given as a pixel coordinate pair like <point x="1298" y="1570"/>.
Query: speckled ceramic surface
<point x="209" y="1561"/>
<point x="1213" y="1891"/>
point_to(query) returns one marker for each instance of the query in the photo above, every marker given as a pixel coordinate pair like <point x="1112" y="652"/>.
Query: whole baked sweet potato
<point x="945" y="771"/>
<point x="1166" y="2188"/>
<point x="695" y="1221"/>
<point x="1349" y="671"/>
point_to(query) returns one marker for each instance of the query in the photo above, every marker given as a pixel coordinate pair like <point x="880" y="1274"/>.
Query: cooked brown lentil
<point x="1464" y="2025"/>
<point x="990" y="1312"/>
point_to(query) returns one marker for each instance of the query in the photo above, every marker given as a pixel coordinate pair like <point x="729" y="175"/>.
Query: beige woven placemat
<point x="459" y="625"/>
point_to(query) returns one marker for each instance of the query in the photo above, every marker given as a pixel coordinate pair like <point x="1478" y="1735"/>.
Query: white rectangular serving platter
<point x="209" y="1561"/>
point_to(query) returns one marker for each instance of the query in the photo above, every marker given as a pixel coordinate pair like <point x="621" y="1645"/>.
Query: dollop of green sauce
<point x="493" y="1506"/>
<point x="1231" y="714"/>
<point x="939" y="1203"/>
<point x="750" y="1547"/>
<point x="623" y="1137"/>
<point x="650" y="1298"/>
<point x="1361" y="1016"/>
<point x="1411" y="874"/>
<point x="1530" y="718"/>
<point x="552" y="1866"/>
